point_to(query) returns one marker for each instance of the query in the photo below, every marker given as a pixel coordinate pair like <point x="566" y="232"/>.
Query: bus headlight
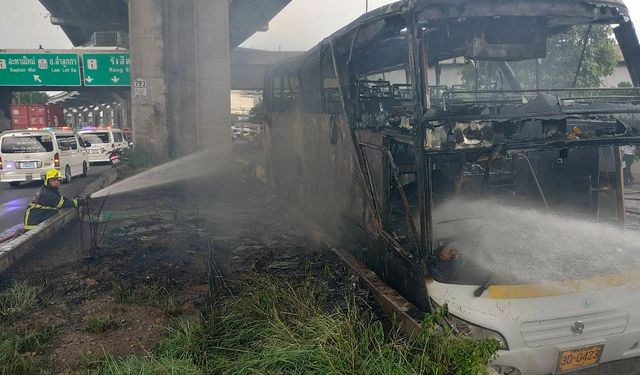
<point x="477" y="332"/>
<point x="469" y="329"/>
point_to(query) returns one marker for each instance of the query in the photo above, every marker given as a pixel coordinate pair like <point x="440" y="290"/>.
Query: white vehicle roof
<point x="63" y="132"/>
<point x="97" y="131"/>
<point x="28" y="132"/>
<point x="38" y="132"/>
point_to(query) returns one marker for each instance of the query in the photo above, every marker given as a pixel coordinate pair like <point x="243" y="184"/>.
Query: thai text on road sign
<point x="106" y="69"/>
<point x="39" y="69"/>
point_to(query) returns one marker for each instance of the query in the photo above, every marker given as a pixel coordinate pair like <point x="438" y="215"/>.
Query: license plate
<point x="94" y="151"/>
<point x="575" y="359"/>
<point x="28" y="164"/>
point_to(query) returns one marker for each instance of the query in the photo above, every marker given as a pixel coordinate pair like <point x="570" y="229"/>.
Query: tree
<point x="256" y="114"/>
<point x="30" y="97"/>
<point x="559" y="68"/>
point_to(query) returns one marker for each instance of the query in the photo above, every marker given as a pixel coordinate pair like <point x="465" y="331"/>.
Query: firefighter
<point x="48" y="201"/>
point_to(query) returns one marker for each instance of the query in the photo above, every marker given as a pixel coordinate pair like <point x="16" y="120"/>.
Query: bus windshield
<point x="574" y="91"/>
<point x="530" y="217"/>
<point x="498" y="243"/>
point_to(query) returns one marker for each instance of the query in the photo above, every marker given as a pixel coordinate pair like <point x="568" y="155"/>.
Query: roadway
<point x="13" y="201"/>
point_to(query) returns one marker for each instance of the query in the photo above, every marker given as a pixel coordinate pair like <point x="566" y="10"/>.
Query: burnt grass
<point x="166" y="253"/>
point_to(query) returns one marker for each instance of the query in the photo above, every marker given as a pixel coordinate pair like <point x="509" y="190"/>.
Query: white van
<point x="25" y="155"/>
<point x="101" y="141"/>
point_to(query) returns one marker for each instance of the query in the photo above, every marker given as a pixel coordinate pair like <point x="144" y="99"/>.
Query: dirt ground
<point x="162" y="250"/>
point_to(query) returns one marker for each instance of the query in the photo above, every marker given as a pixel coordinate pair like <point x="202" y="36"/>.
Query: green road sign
<point x="39" y="69"/>
<point x="106" y="69"/>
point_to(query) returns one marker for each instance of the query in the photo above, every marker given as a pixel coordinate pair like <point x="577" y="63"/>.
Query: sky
<point x="301" y="25"/>
<point x="294" y="30"/>
<point x="25" y="24"/>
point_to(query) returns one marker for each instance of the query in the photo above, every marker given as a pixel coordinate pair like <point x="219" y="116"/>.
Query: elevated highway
<point x="81" y="19"/>
<point x="248" y="67"/>
<point x="180" y="53"/>
<point x="84" y="101"/>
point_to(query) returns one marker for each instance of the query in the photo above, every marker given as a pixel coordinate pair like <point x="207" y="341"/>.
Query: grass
<point x="278" y="327"/>
<point x="154" y="293"/>
<point x="99" y="324"/>
<point x="86" y="293"/>
<point x="137" y="159"/>
<point x="19" y="351"/>
<point x="170" y="307"/>
<point x="120" y="290"/>
<point x="145" y="366"/>
<point x="17" y="300"/>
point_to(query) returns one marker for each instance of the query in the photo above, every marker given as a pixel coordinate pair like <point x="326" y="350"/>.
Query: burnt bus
<point x="502" y="197"/>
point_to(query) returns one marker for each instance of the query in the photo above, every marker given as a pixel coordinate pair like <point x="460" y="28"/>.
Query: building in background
<point x="243" y="101"/>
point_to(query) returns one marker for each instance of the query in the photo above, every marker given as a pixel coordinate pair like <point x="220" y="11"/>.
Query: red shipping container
<point x="55" y="116"/>
<point x="24" y="116"/>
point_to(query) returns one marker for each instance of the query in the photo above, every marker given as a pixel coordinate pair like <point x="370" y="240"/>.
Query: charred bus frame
<point x="339" y="142"/>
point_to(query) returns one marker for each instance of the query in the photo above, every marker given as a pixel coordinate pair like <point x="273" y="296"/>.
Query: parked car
<point x="101" y="142"/>
<point x="25" y="155"/>
<point x="245" y="132"/>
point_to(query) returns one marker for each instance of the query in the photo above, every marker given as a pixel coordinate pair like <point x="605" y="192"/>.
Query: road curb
<point x="394" y="305"/>
<point x="12" y="251"/>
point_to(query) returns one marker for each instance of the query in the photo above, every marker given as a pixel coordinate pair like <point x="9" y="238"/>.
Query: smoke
<point x="185" y="169"/>
<point x="504" y="244"/>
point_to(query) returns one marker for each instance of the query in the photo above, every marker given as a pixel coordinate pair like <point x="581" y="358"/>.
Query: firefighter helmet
<point x="52" y="174"/>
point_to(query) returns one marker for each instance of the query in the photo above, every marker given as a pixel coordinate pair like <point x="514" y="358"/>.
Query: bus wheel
<point x="14" y="183"/>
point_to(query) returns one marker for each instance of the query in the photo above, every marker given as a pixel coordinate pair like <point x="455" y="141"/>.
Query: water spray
<point x="199" y="164"/>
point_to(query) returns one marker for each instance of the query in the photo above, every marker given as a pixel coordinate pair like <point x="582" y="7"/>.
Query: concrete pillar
<point x="214" y="82"/>
<point x="181" y="49"/>
<point x="95" y="113"/>
<point x="76" y="118"/>
<point x="122" y="110"/>
<point x="126" y="114"/>
<point x="84" y="116"/>
<point x="117" y="115"/>
<point x="107" y="118"/>
<point x="149" y="113"/>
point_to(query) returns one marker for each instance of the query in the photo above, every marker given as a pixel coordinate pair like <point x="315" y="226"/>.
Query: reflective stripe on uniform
<point x="26" y="218"/>
<point x="35" y="205"/>
<point x="41" y="207"/>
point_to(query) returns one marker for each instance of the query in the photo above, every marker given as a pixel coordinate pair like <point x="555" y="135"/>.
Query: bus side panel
<point x="311" y="173"/>
<point x="313" y="165"/>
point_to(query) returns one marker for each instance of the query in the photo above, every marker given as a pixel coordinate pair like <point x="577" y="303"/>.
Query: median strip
<point x="12" y="251"/>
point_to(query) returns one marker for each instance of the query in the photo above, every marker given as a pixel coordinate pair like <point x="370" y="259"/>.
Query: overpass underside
<point x="180" y="53"/>
<point x="81" y="19"/>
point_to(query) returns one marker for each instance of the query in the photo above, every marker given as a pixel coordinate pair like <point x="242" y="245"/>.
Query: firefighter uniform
<point x="47" y="202"/>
